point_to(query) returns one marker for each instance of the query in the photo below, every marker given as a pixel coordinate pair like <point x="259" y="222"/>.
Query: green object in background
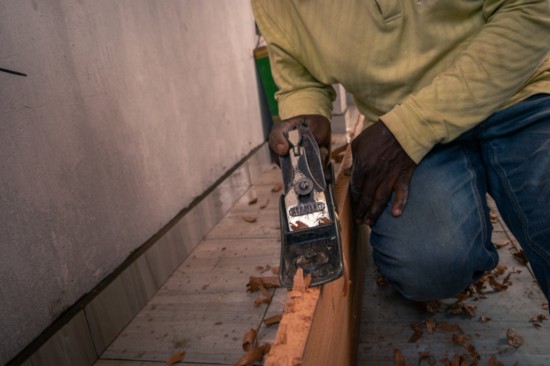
<point x="268" y="85"/>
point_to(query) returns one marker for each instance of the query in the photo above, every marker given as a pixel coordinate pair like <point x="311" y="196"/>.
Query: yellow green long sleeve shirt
<point x="429" y="69"/>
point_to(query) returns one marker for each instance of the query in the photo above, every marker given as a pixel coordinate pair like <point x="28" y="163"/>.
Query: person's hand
<point x="380" y="167"/>
<point x="318" y="125"/>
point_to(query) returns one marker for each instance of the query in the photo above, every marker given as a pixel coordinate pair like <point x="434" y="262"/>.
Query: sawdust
<point x="295" y="324"/>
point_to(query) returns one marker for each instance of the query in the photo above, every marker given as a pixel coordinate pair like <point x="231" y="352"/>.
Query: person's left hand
<point x="380" y="167"/>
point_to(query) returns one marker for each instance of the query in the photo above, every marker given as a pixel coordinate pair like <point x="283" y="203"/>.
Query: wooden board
<point x="320" y="325"/>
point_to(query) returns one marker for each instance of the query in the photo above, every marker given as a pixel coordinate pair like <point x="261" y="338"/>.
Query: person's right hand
<point x="318" y="125"/>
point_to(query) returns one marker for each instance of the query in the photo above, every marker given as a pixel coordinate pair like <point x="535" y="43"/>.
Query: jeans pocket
<point x="389" y="9"/>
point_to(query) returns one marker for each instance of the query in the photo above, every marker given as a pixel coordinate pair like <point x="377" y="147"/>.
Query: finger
<point x="401" y="194"/>
<point x="379" y="203"/>
<point x="277" y="140"/>
<point x="356" y="189"/>
<point x="320" y="128"/>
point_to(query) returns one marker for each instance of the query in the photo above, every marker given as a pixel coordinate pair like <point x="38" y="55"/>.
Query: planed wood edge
<point x="320" y="326"/>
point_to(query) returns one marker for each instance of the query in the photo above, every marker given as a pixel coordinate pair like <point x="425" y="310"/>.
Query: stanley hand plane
<point x="310" y="230"/>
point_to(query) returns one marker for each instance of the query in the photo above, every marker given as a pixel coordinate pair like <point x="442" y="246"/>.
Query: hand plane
<point x="310" y="230"/>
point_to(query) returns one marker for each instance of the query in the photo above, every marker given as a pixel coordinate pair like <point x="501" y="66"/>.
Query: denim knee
<point x="437" y="269"/>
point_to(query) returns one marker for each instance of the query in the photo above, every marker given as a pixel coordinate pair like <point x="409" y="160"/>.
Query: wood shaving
<point x="277" y="187"/>
<point x="252" y="352"/>
<point x="253" y="201"/>
<point x="418" y="332"/>
<point x="275" y="319"/>
<point x="264" y="205"/>
<point x="250" y="219"/>
<point x="464" y="341"/>
<point x="176" y="357"/>
<point x="262" y="283"/>
<point x="513" y="338"/>
<point x="299" y="225"/>
<point x="430" y="325"/>
<point x="432" y="306"/>
<point x="537" y="320"/>
<point x="462" y="308"/>
<point x="502" y="245"/>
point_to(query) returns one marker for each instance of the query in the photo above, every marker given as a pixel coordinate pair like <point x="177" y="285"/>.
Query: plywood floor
<point x="204" y="309"/>
<point x="388" y="321"/>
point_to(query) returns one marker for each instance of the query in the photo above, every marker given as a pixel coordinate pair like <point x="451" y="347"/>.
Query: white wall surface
<point x="131" y="108"/>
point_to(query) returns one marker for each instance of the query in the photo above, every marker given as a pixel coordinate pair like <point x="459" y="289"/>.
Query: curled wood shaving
<point x="253" y="200"/>
<point x="462" y="308"/>
<point x="275" y="319"/>
<point x="537" y="320"/>
<point x="502" y="245"/>
<point x="432" y="306"/>
<point x="176" y="357"/>
<point x="430" y="325"/>
<point x="299" y="225"/>
<point x="262" y="283"/>
<point x="264" y="205"/>
<point x="418" y="332"/>
<point x="513" y="338"/>
<point x="277" y="187"/>
<point x="463" y="340"/>
<point x="252" y="352"/>
<point x="250" y="219"/>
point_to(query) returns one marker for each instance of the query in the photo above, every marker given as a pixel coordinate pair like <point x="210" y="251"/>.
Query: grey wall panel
<point x="130" y="109"/>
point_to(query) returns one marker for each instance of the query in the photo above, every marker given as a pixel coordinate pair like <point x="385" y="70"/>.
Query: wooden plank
<point x="320" y="326"/>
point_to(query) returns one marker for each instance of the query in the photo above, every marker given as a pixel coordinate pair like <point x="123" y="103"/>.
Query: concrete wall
<point x="130" y="109"/>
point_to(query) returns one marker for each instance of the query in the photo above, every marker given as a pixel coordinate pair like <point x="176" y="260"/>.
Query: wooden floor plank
<point x="203" y="309"/>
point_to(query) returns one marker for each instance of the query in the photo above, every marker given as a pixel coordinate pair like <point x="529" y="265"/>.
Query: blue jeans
<point x="442" y="242"/>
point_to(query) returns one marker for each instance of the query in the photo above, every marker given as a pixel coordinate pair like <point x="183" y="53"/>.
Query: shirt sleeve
<point x="299" y="92"/>
<point x="496" y="64"/>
